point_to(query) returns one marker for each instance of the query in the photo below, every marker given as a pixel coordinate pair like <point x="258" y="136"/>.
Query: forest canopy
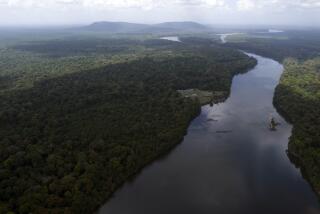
<point x="70" y="134"/>
<point x="298" y="98"/>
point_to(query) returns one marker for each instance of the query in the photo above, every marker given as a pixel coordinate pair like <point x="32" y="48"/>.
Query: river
<point x="244" y="170"/>
<point x="223" y="37"/>
<point x="171" y="38"/>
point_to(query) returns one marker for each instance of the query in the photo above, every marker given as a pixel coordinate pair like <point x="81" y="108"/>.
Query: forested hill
<point x="182" y="25"/>
<point x="69" y="140"/>
<point x="115" y="27"/>
<point x="125" y="27"/>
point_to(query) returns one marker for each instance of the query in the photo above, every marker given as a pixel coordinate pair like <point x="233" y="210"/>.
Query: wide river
<point x="228" y="163"/>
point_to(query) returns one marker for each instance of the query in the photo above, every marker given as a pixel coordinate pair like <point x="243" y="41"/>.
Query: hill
<point x="116" y="27"/>
<point x="182" y="26"/>
<point x="125" y="27"/>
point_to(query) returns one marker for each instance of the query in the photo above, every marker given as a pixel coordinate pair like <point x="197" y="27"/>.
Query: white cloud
<point x="214" y="3"/>
<point x="150" y="4"/>
<point x="244" y="5"/>
<point x="310" y="3"/>
<point x="143" y="4"/>
<point x="276" y="4"/>
<point x="293" y="11"/>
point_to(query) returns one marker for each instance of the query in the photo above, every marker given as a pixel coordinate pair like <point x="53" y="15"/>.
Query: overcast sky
<point x="66" y="12"/>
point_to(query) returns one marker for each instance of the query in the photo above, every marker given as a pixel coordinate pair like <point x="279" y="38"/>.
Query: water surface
<point x="243" y="171"/>
<point x="171" y="38"/>
<point x="223" y="36"/>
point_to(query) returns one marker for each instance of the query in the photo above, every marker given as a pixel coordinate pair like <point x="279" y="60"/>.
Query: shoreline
<point x="174" y="145"/>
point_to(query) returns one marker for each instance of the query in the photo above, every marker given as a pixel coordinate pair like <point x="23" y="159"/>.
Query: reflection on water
<point x="275" y="31"/>
<point x="245" y="170"/>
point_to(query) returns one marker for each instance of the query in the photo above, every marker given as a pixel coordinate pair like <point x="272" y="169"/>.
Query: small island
<point x="204" y="97"/>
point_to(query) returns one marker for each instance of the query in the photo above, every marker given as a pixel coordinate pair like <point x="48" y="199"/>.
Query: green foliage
<point x="24" y="64"/>
<point x="300" y="45"/>
<point x="70" y="139"/>
<point x="298" y="98"/>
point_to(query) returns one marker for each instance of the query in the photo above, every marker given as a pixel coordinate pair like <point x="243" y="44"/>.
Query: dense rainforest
<point x="297" y="96"/>
<point x="71" y="134"/>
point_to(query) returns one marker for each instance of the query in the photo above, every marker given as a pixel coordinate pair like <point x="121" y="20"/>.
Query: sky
<point x="224" y="12"/>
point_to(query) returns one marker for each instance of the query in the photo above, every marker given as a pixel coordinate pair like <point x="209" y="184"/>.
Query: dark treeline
<point x="67" y="47"/>
<point x="68" y="142"/>
<point x="297" y="97"/>
<point x="299" y="45"/>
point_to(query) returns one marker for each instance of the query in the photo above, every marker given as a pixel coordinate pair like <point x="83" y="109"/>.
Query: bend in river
<point x="171" y="38"/>
<point x="223" y="36"/>
<point x="229" y="162"/>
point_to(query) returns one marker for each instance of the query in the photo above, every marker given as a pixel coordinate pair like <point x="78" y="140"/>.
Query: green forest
<point x="300" y="45"/>
<point x="297" y="97"/>
<point x="77" y="122"/>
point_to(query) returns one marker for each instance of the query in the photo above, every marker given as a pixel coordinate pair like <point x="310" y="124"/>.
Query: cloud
<point x="142" y="4"/>
<point x="71" y="2"/>
<point x="237" y="11"/>
<point x="214" y="3"/>
<point x="151" y="4"/>
<point x="310" y="3"/>
<point x="110" y="4"/>
<point x="244" y="5"/>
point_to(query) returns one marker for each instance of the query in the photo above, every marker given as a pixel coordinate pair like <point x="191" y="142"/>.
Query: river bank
<point x="245" y="170"/>
<point x="297" y="99"/>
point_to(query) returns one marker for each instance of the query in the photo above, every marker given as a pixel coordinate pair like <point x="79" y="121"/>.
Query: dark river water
<point x="243" y="171"/>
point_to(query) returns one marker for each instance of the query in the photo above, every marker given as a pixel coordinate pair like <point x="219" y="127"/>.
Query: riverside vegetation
<point x="297" y="97"/>
<point x="80" y="117"/>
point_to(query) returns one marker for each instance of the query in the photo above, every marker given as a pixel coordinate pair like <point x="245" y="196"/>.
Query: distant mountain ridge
<point x="126" y="27"/>
<point x="114" y="26"/>
<point x="182" y="25"/>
